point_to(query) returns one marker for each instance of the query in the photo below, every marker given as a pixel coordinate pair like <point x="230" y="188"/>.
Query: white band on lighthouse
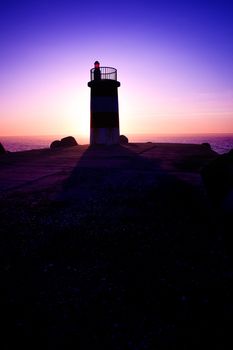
<point x="104" y="104"/>
<point x="104" y="136"/>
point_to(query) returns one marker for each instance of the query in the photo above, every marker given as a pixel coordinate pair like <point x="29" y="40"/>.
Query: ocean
<point x="220" y="143"/>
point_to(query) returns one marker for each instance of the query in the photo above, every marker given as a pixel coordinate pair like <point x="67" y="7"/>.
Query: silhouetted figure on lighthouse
<point x="104" y="128"/>
<point x="97" y="72"/>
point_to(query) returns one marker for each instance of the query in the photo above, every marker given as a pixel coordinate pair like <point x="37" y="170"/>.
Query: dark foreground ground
<point x="112" y="248"/>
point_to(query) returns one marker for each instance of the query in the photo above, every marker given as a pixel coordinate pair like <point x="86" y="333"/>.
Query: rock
<point x="55" y="144"/>
<point x="218" y="178"/>
<point x="68" y="141"/>
<point x="2" y="149"/>
<point x="206" y="145"/>
<point x="123" y="140"/>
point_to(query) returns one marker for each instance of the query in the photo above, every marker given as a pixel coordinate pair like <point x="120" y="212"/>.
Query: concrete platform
<point x="45" y="167"/>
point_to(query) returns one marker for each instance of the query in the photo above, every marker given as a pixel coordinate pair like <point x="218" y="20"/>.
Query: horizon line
<point x="135" y="133"/>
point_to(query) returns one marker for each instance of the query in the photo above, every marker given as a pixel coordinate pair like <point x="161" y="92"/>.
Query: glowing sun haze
<point x="174" y="62"/>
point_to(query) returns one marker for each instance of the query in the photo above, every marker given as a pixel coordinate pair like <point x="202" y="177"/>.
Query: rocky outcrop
<point x="123" y="140"/>
<point x="206" y="145"/>
<point x="218" y="180"/>
<point x="68" y="141"/>
<point x="55" y="144"/>
<point x="2" y="149"/>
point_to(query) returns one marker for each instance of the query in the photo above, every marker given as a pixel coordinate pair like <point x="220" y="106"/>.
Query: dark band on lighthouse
<point x="104" y="105"/>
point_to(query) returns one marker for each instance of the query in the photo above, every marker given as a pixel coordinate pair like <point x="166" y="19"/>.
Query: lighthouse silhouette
<point x="104" y="128"/>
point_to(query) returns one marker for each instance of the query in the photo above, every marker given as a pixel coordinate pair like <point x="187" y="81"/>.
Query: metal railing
<point x="105" y="73"/>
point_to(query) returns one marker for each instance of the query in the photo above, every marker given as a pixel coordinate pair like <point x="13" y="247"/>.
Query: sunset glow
<point x="174" y="62"/>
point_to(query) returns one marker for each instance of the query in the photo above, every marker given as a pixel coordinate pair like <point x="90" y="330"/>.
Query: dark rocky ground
<point x="131" y="256"/>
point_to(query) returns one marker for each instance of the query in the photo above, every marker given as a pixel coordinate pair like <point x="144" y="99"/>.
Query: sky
<point x="174" y="62"/>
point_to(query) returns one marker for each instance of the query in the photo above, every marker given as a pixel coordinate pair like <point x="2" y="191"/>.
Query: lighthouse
<point x="104" y="126"/>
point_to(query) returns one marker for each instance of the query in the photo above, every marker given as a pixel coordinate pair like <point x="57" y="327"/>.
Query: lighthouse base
<point x="104" y="136"/>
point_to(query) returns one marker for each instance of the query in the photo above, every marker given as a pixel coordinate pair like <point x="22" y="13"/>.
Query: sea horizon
<point x="220" y="142"/>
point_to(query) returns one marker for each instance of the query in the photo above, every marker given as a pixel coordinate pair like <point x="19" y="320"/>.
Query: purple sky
<point x="174" y="61"/>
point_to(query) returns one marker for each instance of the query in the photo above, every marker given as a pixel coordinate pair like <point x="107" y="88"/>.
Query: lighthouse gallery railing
<point x="106" y="73"/>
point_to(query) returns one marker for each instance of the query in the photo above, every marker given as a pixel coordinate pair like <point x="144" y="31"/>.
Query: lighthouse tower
<point x="104" y="106"/>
